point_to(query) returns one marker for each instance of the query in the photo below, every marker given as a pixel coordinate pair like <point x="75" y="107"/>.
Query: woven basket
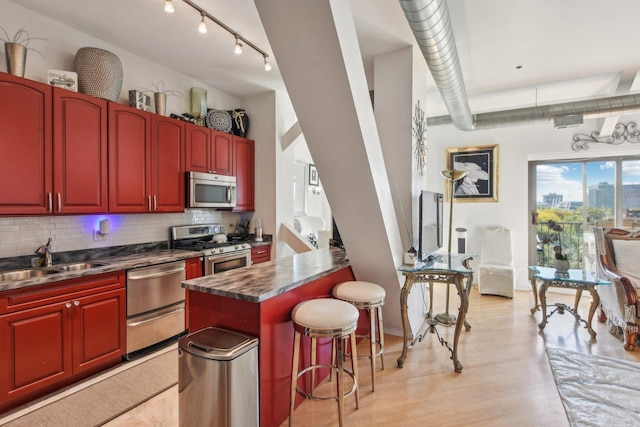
<point x="99" y="73"/>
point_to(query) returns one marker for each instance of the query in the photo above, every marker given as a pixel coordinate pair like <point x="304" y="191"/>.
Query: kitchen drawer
<point x="260" y="254"/>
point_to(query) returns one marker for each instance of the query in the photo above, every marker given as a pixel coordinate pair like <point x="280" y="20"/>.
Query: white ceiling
<point x="567" y="49"/>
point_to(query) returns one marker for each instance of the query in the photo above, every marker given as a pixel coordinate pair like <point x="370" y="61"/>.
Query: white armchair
<point x="496" y="273"/>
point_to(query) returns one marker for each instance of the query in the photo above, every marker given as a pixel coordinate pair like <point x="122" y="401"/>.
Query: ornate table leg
<point x="534" y="288"/>
<point x="595" y="302"/>
<point x="404" y="295"/>
<point x="577" y="300"/>
<point x="543" y="304"/>
<point x="462" y="313"/>
<point x="430" y="313"/>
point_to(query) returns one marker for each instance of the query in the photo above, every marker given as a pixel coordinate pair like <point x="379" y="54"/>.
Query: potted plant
<point x="562" y="260"/>
<point x="160" y="96"/>
<point x="15" y="50"/>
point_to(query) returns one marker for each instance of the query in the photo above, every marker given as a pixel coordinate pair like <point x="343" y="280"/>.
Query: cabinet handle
<point x="68" y="305"/>
<point x="50" y="203"/>
<point x="228" y="194"/>
<point x="76" y="303"/>
<point x="59" y="203"/>
<point x="149" y="203"/>
<point x="155" y="203"/>
<point x="264" y="251"/>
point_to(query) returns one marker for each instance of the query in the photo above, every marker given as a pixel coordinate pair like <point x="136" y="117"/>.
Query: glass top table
<point x="577" y="279"/>
<point x="447" y="268"/>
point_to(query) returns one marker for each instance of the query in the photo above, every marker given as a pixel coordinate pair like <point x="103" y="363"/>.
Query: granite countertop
<point x="265" y="280"/>
<point x="114" y="263"/>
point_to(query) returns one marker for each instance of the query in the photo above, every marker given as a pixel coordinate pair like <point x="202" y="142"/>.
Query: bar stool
<point x="324" y="318"/>
<point x="367" y="296"/>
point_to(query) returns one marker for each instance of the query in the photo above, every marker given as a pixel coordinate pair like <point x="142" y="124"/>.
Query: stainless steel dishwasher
<point x="155" y="304"/>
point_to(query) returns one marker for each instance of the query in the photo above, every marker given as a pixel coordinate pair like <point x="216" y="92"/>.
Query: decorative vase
<point x="562" y="265"/>
<point x="99" y="73"/>
<point x="16" y="56"/>
<point x="160" y="100"/>
<point x="240" y="122"/>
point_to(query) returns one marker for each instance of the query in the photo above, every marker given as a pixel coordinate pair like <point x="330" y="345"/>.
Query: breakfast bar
<point x="258" y="301"/>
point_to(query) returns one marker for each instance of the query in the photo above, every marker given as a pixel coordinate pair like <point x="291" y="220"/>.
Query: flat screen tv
<point x="430" y="224"/>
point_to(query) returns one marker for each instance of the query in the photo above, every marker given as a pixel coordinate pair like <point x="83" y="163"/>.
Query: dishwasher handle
<point x="154" y="275"/>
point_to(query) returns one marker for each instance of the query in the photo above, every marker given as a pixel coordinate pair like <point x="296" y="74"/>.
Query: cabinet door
<point x="193" y="270"/>
<point x="243" y="170"/>
<point x="35" y="349"/>
<point x="260" y="254"/>
<point x="167" y="164"/>
<point x="129" y="159"/>
<point x="25" y="146"/>
<point x="198" y="148"/>
<point x="99" y="329"/>
<point x="221" y="152"/>
<point x="79" y="153"/>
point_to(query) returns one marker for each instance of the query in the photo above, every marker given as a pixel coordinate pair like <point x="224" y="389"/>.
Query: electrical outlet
<point x="97" y="236"/>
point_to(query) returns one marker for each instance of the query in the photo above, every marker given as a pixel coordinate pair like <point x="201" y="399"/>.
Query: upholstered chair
<point x="496" y="273"/>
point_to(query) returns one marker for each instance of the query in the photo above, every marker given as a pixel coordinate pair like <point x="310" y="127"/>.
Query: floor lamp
<point x="452" y="176"/>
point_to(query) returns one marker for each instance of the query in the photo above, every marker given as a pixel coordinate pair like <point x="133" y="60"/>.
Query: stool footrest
<point x="311" y="396"/>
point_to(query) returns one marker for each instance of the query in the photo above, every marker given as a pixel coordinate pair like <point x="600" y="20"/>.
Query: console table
<point x="450" y="269"/>
<point x="579" y="280"/>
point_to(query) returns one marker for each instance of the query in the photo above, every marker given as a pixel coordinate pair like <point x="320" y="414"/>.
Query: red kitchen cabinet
<point x="260" y="254"/>
<point x="58" y="334"/>
<point x="167" y="164"/>
<point x="193" y="271"/>
<point x="79" y="153"/>
<point x="129" y="159"/>
<point x="243" y="170"/>
<point x="208" y="150"/>
<point x="25" y="146"/>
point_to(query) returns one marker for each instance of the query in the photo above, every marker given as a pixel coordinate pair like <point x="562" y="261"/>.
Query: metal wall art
<point x="420" y="132"/>
<point x="622" y="132"/>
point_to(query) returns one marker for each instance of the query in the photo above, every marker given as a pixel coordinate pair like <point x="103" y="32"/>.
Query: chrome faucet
<point x="45" y="252"/>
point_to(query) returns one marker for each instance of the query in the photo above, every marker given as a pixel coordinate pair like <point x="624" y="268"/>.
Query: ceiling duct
<point x="429" y="20"/>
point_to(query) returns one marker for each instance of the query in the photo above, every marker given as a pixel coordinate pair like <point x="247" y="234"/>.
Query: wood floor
<point x="506" y="380"/>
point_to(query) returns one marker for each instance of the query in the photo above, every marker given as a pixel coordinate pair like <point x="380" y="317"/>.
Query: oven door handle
<point x="153" y="319"/>
<point x="154" y="275"/>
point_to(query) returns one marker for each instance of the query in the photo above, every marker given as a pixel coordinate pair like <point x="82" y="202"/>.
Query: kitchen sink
<point x="79" y="266"/>
<point x="28" y="273"/>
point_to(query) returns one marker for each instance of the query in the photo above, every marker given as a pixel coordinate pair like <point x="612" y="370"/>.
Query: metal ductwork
<point x="431" y="26"/>
<point x="429" y="20"/>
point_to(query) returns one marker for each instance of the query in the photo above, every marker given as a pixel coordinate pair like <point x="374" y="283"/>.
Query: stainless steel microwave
<point x="208" y="190"/>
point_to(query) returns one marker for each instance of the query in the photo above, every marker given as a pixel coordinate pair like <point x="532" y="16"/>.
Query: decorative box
<point x="139" y="100"/>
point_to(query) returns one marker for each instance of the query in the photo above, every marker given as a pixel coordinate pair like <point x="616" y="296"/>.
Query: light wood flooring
<point x="506" y="380"/>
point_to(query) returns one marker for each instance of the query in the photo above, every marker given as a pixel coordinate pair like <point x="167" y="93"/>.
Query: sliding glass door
<point x="574" y="196"/>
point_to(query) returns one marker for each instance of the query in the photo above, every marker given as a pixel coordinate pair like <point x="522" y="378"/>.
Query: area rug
<point x="105" y="400"/>
<point x="596" y="391"/>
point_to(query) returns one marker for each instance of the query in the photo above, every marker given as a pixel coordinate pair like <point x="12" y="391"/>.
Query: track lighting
<point x="240" y="41"/>
<point x="168" y="6"/>
<point x="202" y="27"/>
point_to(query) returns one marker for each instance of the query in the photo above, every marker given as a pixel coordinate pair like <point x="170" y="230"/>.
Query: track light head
<point x="202" y="27"/>
<point x="168" y="6"/>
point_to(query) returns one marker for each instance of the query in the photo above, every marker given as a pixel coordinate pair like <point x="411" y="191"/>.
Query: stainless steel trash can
<point x="218" y="379"/>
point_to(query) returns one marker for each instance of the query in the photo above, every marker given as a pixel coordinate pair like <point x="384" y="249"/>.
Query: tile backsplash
<point x="23" y="235"/>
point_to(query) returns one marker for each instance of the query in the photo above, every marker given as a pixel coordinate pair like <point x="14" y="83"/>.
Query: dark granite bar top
<point x="113" y="263"/>
<point x="266" y="280"/>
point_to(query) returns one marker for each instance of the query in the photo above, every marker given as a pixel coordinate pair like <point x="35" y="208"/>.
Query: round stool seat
<point x="360" y="292"/>
<point x="325" y="313"/>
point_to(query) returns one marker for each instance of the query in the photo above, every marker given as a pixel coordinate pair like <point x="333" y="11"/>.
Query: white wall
<point x="516" y="147"/>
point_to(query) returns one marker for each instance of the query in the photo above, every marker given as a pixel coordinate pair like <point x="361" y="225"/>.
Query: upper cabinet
<point x="53" y="150"/>
<point x="243" y="170"/>
<point x="208" y="150"/>
<point x="79" y="153"/>
<point x="146" y="161"/>
<point x="25" y="147"/>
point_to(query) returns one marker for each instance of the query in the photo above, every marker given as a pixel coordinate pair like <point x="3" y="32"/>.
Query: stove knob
<point x="221" y="250"/>
<point x="236" y="247"/>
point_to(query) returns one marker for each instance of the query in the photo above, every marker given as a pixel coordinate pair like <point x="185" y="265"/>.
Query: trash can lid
<point x="216" y="343"/>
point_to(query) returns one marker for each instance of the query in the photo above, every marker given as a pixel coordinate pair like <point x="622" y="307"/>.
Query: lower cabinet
<point x="260" y="254"/>
<point x="58" y="334"/>
<point x="193" y="271"/>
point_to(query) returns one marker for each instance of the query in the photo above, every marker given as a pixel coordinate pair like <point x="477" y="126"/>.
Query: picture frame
<point x="63" y="79"/>
<point x="481" y="164"/>
<point x="313" y="176"/>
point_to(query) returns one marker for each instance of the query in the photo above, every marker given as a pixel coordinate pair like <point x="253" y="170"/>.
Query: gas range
<point x="201" y="238"/>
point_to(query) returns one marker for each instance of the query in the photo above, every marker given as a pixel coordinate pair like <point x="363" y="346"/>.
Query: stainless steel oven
<point x="218" y="263"/>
